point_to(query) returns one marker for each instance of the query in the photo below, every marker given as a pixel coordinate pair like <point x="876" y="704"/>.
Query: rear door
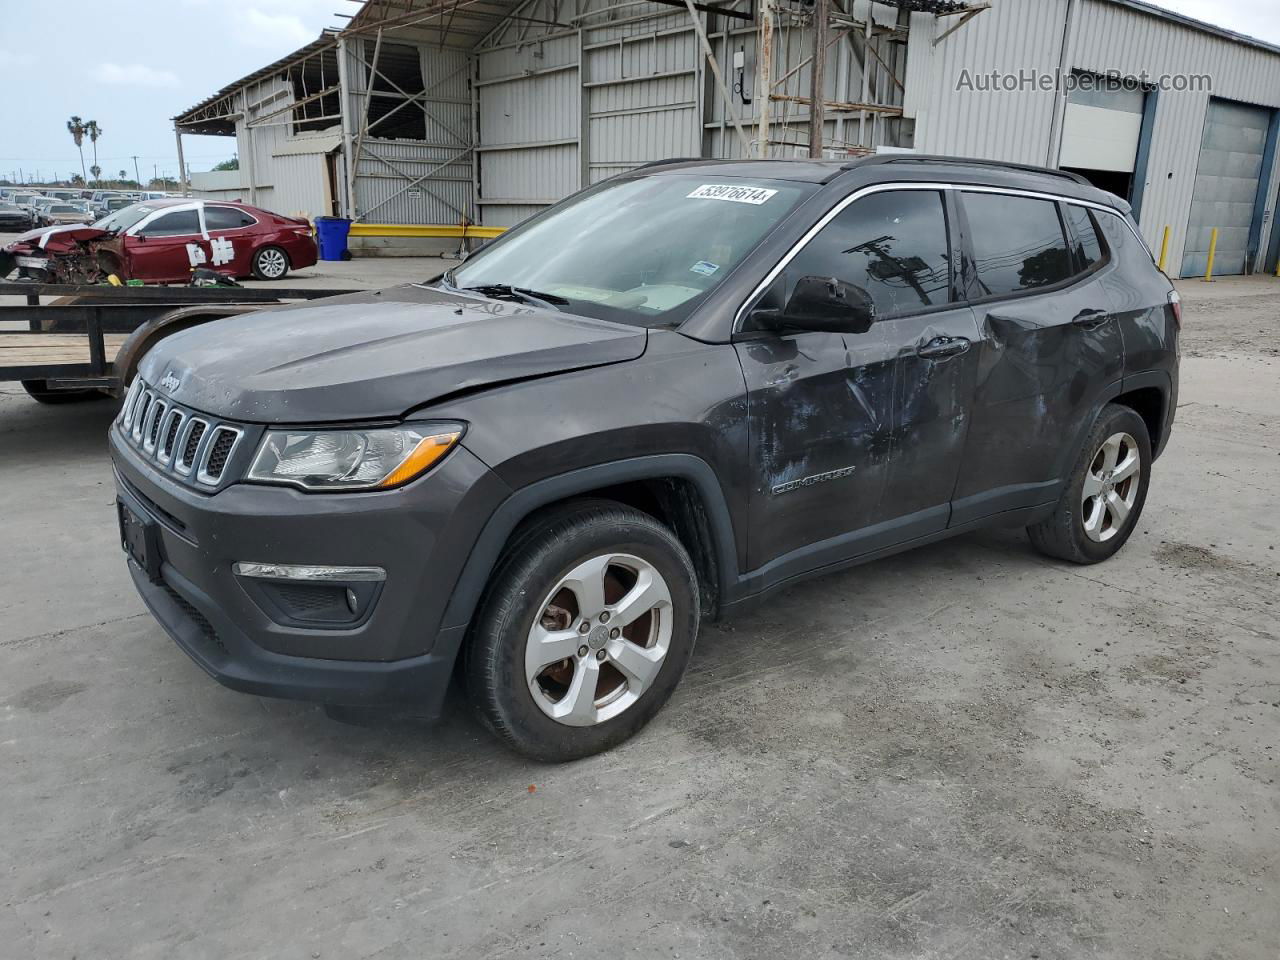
<point x="856" y="439"/>
<point x="1049" y="346"/>
<point x="230" y="239"/>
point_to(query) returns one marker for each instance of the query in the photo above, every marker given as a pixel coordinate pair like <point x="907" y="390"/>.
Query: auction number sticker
<point x="725" y="191"/>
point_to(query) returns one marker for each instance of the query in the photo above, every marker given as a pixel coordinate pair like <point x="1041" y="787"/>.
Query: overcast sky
<point x="132" y="66"/>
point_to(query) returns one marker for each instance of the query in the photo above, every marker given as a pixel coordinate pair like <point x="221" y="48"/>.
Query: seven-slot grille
<point x="177" y="440"/>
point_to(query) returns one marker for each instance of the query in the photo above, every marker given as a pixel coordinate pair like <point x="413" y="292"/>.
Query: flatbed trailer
<point x="90" y="339"/>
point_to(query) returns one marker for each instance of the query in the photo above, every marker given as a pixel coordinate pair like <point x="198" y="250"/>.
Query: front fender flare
<point x="488" y="547"/>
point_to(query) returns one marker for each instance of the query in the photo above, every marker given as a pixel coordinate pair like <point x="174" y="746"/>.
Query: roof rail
<point x="659" y="163"/>
<point x="965" y="161"/>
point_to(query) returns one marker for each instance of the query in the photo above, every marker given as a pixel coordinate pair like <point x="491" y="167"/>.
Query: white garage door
<point x="1101" y="126"/>
<point x="1235" y="137"/>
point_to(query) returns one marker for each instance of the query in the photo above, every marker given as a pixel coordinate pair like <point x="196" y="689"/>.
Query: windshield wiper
<point x="533" y="297"/>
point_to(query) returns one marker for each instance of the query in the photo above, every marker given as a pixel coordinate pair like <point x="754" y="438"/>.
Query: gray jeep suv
<point x="649" y="406"/>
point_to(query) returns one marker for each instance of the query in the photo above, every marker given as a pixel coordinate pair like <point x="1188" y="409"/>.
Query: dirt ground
<point x="964" y="752"/>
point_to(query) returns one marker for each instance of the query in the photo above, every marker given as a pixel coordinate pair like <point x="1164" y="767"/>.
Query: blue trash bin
<point x="331" y="236"/>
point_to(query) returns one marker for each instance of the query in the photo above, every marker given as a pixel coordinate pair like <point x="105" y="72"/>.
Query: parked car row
<point x="96" y="203"/>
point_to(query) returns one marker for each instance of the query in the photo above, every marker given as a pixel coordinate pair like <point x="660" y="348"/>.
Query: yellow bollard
<point x="1213" y="247"/>
<point x="1164" y="248"/>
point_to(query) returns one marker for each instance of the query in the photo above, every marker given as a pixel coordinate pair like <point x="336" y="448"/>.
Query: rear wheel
<point x="584" y="632"/>
<point x="1105" y="493"/>
<point x="270" y="263"/>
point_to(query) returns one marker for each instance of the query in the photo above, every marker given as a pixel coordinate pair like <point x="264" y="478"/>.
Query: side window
<point x="178" y="224"/>
<point x="1018" y="243"/>
<point x="1088" y="250"/>
<point x="893" y="244"/>
<point x="226" y="218"/>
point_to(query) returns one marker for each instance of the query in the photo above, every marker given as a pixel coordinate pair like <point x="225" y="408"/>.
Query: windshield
<point x="125" y="218"/>
<point x="643" y="251"/>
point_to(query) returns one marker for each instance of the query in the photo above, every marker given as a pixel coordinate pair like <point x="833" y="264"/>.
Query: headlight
<point x="352" y="459"/>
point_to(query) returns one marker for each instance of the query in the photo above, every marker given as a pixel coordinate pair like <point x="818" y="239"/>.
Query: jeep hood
<point x="374" y="355"/>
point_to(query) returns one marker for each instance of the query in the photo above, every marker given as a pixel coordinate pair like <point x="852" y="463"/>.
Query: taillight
<point x="1175" y="302"/>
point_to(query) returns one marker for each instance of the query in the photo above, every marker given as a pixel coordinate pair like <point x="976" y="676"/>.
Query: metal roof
<point x="327" y="38"/>
<point x="462" y="24"/>
<point x="1192" y="23"/>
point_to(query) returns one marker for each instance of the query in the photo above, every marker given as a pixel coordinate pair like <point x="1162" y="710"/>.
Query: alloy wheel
<point x="1110" y="486"/>
<point x="600" y="639"/>
<point x="272" y="263"/>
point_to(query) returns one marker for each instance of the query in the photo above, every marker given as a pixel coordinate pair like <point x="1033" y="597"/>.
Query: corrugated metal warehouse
<point x="454" y="112"/>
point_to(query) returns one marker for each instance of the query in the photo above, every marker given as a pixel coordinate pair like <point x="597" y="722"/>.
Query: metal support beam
<point x="182" y="165"/>
<point x="715" y="69"/>
<point x="964" y="18"/>
<point x="348" y="152"/>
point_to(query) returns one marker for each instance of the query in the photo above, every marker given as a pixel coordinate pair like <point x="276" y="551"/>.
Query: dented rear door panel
<point x="1039" y="376"/>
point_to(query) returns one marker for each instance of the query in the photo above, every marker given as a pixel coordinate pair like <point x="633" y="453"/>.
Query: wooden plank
<point x="48" y="349"/>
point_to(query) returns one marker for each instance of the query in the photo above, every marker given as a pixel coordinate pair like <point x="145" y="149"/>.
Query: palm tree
<point x="75" y="126"/>
<point x="94" y="131"/>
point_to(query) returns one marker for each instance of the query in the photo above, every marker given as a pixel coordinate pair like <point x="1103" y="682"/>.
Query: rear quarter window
<point x="1084" y="236"/>
<point x="226" y="218"/>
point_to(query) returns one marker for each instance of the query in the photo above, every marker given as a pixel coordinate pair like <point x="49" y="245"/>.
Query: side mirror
<point x="822" y="304"/>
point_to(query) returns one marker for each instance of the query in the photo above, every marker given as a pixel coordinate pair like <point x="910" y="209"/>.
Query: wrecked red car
<point x="162" y="241"/>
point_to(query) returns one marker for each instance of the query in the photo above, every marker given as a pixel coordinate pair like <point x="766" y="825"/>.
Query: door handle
<point x="940" y="348"/>
<point x="1090" y="318"/>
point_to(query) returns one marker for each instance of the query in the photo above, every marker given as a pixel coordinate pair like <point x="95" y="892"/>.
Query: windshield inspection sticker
<point x="725" y="191"/>
<point x="704" y="268"/>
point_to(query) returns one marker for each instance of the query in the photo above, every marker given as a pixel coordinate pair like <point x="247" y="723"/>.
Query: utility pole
<point x="136" y="175"/>
<point x="765" y="70"/>
<point x="817" y="73"/>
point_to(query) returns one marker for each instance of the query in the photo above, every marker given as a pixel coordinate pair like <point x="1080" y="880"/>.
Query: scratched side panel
<point x="932" y="399"/>
<point x="818" y="403"/>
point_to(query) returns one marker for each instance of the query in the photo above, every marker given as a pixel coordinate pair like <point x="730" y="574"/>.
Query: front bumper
<point x="421" y="534"/>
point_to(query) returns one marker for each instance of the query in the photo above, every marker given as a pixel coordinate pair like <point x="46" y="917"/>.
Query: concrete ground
<point x="968" y="751"/>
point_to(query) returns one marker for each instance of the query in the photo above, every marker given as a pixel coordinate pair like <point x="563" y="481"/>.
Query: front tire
<point x="270" y="263"/>
<point x="1105" y="492"/>
<point x="585" y="630"/>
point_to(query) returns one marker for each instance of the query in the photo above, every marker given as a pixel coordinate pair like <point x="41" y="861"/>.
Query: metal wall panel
<point x="999" y="125"/>
<point x="1105" y="37"/>
<point x="642" y="100"/>
<point x="528" y="100"/>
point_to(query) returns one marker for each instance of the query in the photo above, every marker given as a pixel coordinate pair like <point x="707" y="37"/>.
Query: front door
<point x="856" y="438"/>
<point x="168" y="248"/>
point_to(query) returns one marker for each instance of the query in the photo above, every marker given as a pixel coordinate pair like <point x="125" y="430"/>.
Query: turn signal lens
<point x="428" y="451"/>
